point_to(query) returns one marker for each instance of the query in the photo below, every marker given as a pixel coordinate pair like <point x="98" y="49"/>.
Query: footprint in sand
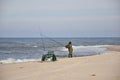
<point x="21" y="67"/>
<point x="93" y="75"/>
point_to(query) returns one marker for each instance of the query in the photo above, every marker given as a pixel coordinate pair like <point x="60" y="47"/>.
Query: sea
<point x="16" y="50"/>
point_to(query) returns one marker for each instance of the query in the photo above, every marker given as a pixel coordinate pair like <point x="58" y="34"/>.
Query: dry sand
<point x="97" y="67"/>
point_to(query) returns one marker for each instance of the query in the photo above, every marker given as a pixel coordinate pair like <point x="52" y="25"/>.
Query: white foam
<point x="79" y="48"/>
<point x="35" y="46"/>
<point x="12" y="60"/>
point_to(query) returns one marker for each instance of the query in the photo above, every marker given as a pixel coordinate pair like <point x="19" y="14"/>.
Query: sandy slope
<point x="98" y="67"/>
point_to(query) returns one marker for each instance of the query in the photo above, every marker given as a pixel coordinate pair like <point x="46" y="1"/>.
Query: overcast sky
<point x="60" y="18"/>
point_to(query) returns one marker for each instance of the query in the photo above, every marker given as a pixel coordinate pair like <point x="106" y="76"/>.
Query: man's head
<point x="70" y="42"/>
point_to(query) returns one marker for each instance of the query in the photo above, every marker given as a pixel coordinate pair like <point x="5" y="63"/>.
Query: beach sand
<point x="97" y="67"/>
<point x="113" y="47"/>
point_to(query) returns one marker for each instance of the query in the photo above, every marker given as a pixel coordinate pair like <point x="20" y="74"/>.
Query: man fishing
<point x="70" y="49"/>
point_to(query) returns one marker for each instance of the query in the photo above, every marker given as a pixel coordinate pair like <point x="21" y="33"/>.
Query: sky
<point x="60" y="18"/>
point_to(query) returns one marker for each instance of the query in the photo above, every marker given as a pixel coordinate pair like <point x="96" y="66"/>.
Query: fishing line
<point x="43" y="37"/>
<point x="40" y="32"/>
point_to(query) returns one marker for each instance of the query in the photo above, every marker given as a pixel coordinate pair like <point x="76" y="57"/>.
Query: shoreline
<point x="109" y="49"/>
<point x="97" y="67"/>
<point x="113" y="48"/>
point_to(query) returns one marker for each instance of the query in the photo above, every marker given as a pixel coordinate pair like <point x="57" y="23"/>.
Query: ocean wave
<point x="79" y="48"/>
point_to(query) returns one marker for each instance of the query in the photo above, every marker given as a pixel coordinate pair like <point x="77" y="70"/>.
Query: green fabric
<point x="50" y="56"/>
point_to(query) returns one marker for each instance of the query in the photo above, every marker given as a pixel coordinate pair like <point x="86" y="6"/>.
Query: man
<point x="70" y="49"/>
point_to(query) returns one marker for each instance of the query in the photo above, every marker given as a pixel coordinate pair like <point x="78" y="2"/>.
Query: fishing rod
<point x="52" y="40"/>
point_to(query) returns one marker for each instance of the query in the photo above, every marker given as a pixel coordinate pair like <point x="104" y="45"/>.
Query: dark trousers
<point x="70" y="55"/>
